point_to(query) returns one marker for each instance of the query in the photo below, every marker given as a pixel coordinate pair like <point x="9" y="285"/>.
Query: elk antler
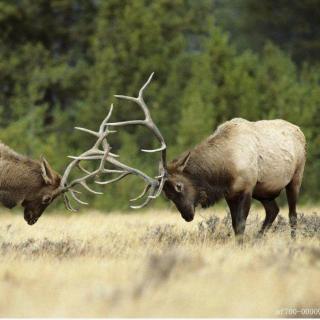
<point x="99" y="151"/>
<point x="154" y="186"/>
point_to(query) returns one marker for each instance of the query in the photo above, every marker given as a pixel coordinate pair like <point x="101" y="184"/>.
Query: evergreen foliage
<point x="61" y="62"/>
<point x="292" y="25"/>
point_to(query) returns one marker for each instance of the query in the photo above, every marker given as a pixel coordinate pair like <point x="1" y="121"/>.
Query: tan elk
<point x="34" y="184"/>
<point x="241" y="160"/>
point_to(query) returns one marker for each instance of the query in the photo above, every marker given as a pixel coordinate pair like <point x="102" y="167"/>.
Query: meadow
<point x="153" y="264"/>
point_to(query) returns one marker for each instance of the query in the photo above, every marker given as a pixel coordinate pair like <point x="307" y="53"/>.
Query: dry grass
<point x="155" y="264"/>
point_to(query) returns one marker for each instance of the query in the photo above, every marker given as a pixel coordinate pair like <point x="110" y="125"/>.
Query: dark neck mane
<point x="6" y="153"/>
<point x="206" y="169"/>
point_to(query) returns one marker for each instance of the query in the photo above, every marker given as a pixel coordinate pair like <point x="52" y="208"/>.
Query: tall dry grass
<point x="155" y="264"/>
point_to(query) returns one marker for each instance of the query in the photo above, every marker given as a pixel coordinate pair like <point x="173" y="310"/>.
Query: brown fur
<point x="27" y="182"/>
<point x="240" y="161"/>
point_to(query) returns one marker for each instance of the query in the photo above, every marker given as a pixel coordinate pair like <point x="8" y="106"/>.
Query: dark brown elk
<point x="241" y="160"/>
<point x="34" y="184"/>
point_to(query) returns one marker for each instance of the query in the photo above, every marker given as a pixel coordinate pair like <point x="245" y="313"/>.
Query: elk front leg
<point x="272" y="211"/>
<point x="239" y="208"/>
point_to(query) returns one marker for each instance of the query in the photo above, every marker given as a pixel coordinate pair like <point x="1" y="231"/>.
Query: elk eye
<point x="178" y="187"/>
<point x="46" y="199"/>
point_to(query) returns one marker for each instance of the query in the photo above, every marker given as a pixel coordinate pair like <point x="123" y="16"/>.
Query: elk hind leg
<point x="292" y="191"/>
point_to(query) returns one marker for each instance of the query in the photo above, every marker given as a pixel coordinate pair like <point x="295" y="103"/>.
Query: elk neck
<point x="209" y="173"/>
<point x="18" y="172"/>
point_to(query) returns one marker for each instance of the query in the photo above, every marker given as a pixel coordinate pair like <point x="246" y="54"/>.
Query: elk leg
<point x="239" y="209"/>
<point x="272" y="211"/>
<point x="292" y="191"/>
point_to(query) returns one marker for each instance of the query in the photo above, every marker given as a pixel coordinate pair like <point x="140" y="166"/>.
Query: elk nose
<point x="32" y="221"/>
<point x="188" y="218"/>
<point x="30" y="218"/>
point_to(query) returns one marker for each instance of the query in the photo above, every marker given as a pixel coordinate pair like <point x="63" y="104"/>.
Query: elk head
<point x="180" y="189"/>
<point x="42" y="194"/>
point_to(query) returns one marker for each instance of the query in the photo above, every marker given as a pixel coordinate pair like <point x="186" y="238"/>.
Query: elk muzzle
<point x="33" y="211"/>
<point x="187" y="210"/>
<point x="30" y="217"/>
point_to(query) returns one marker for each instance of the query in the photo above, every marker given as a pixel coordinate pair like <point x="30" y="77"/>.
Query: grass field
<point x="155" y="264"/>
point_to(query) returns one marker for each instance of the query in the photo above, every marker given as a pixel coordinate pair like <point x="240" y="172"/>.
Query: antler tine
<point x="163" y="147"/>
<point x="83" y="183"/>
<point x="145" y="85"/>
<point x="87" y="131"/>
<point x="84" y="158"/>
<point x="68" y="204"/>
<point x="144" y="191"/>
<point x="103" y="127"/>
<point x="113" y="171"/>
<point x="82" y="168"/>
<point x="131" y="170"/>
<point x="161" y="184"/>
<point x="148" y="199"/>
<point x="77" y="199"/>
<point x="75" y="191"/>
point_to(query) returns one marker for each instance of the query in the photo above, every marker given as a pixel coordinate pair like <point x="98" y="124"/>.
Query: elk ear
<point x="181" y="163"/>
<point x="46" y="171"/>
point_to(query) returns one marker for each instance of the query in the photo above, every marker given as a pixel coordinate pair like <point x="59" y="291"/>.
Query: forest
<point x="62" y="62"/>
